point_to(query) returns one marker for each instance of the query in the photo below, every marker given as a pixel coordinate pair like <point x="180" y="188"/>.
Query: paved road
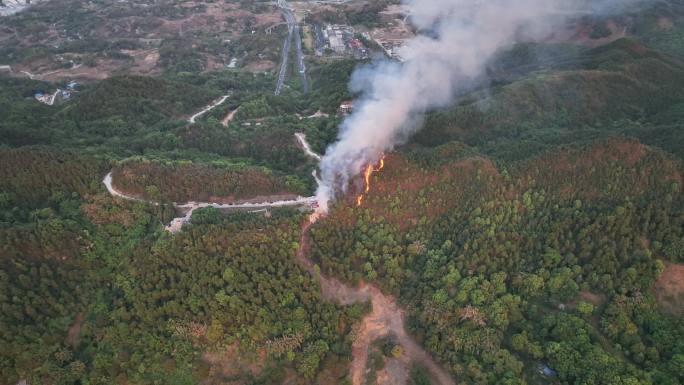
<point x="300" y="59"/>
<point x="189" y="207"/>
<point x="293" y="32"/>
<point x="289" y="18"/>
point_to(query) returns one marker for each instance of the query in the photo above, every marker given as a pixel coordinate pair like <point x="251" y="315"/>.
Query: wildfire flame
<point x="367" y="173"/>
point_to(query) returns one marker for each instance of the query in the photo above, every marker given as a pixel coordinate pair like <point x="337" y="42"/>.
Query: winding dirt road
<point x="301" y="139"/>
<point x="386" y="317"/>
<point x="208" y="108"/>
<point x="189" y="207"/>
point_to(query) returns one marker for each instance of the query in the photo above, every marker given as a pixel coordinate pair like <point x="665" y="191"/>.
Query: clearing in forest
<point x="669" y="289"/>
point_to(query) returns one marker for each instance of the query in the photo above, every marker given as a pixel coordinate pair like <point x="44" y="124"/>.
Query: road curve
<point x="208" y="108"/>
<point x="385" y="319"/>
<point x="189" y="207"/>
<point x="177" y="223"/>
<point x="301" y="139"/>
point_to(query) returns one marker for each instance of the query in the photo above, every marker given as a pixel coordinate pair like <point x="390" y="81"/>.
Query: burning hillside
<point x="463" y="37"/>
<point x="368" y="172"/>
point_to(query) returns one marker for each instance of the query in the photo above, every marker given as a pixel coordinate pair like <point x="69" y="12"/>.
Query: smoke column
<point x="463" y="36"/>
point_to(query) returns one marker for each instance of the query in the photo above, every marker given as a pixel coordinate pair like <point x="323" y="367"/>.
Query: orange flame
<point x="366" y="177"/>
<point x="382" y="164"/>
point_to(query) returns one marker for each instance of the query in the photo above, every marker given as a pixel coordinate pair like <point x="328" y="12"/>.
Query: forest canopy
<point x="532" y="232"/>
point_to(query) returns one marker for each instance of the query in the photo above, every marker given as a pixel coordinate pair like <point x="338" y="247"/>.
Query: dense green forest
<point x="525" y="230"/>
<point x="87" y="279"/>
<point x="500" y="266"/>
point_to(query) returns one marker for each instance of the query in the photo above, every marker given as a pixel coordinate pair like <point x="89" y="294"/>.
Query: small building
<point x="43" y="98"/>
<point x="346" y="107"/>
<point x="337" y="44"/>
<point x="355" y="44"/>
<point x="545" y="370"/>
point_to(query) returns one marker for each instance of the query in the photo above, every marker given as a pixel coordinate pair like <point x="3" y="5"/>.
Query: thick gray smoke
<point x="463" y="37"/>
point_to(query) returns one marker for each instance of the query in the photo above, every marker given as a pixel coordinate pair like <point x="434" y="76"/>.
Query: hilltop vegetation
<point x="495" y="265"/>
<point x="620" y="88"/>
<point x="137" y="100"/>
<point x="201" y="183"/>
<point x="30" y="176"/>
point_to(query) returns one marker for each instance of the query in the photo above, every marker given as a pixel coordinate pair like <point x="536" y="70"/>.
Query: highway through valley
<point x="293" y="32"/>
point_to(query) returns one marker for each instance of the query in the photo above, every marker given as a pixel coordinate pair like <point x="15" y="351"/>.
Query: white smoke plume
<point x="463" y="36"/>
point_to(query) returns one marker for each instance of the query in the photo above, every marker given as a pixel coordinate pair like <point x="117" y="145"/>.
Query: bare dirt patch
<point x="145" y="61"/>
<point x="396" y="371"/>
<point x="232" y="363"/>
<point x="386" y="319"/>
<point x="587" y="296"/>
<point x="74" y="334"/>
<point x="44" y="69"/>
<point x="395" y="33"/>
<point x="260" y="66"/>
<point x="592" y="298"/>
<point x="229" y="118"/>
<point x="669" y="289"/>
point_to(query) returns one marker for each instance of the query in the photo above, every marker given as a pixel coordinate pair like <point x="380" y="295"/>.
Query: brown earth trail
<point x="385" y="319"/>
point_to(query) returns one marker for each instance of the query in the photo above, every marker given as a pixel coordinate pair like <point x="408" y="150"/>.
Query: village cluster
<point x="60" y="93"/>
<point x="339" y="40"/>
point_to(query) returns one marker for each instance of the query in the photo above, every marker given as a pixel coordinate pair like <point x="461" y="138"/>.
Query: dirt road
<point x="208" y="108"/>
<point x="188" y="208"/>
<point x="229" y="118"/>
<point x="301" y="139"/>
<point x="386" y="319"/>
